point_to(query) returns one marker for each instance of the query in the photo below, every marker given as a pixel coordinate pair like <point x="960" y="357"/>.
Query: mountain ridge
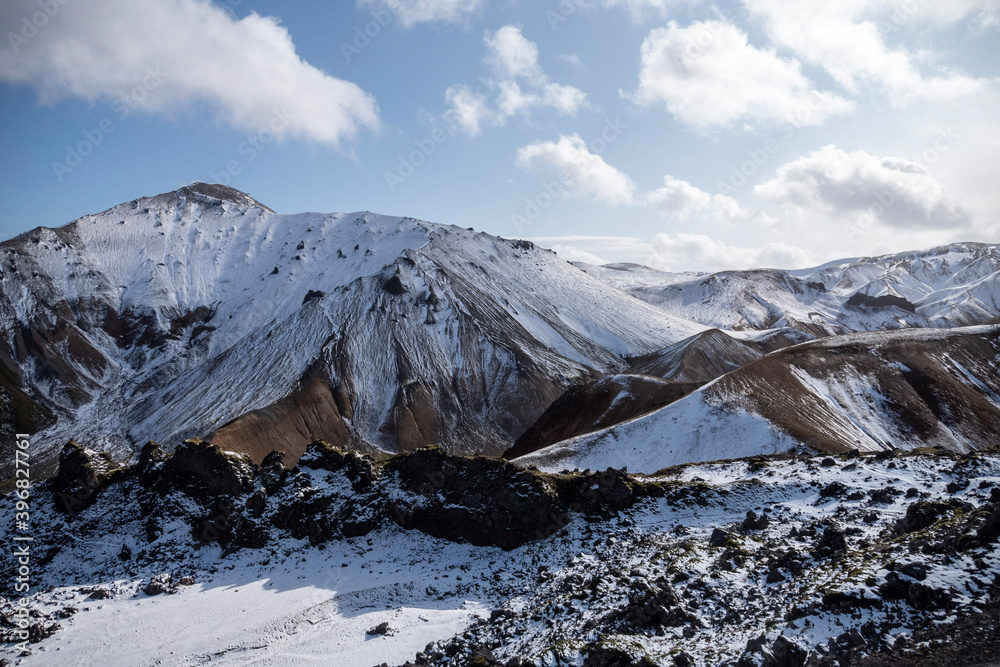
<point x="173" y="316"/>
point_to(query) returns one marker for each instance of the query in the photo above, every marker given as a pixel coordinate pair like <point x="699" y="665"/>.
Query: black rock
<point x="82" y="474"/>
<point x="833" y="542"/>
<point x="486" y="502"/>
<point x="754" y="522"/>
<point x="380" y="629"/>
<point x="159" y="584"/>
<point x="914" y="570"/>
<point x="203" y="470"/>
<point x="990" y="530"/>
<point x="833" y="490"/>
<point x="786" y="653"/>
<point x="925" y="513"/>
<point x="719" y="538"/>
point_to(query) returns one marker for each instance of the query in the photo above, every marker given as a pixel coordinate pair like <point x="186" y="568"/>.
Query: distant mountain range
<point x="201" y="312"/>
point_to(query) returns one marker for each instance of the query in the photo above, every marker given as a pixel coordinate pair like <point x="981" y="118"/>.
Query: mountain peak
<point x="221" y="193"/>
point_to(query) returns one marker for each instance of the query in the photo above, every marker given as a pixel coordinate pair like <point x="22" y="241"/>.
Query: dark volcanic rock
<point x="656" y="606"/>
<point x="754" y="522"/>
<point x="82" y="474"/>
<point x="925" y="513"/>
<point x="202" y="470"/>
<point x="360" y="469"/>
<point x="719" y="538"/>
<point x="990" y="531"/>
<point x="611" y="489"/>
<point x="479" y="500"/>
<point x="786" y="653"/>
<point x="160" y="584"/>
<point x="833" y="542"/>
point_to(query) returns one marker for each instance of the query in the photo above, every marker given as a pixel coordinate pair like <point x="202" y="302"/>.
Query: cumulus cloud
<point x="687" y="252"/>
<point x="847" y="38"/>
<point x="593" y="249"/>
<point x="585" y="175"/>
<point x="517" y="86"/>
<point x="468" y="110"/>
<point x="571" y="253"/>
<point x="580" y="173"/>
<point x="895" y="191"/>
<point x="675" y="252"/>
<point x="512" y="55"/>
<point x="411" y="12"/>
<point x="683" y="200"/>
<point x="182" y="53"/>
<point x="642" y="8"/>
<point x="709" y="75"/>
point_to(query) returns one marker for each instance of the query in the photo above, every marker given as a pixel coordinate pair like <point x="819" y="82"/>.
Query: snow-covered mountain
<point x="201" y="312"/>
<point x="869" y="391"/>
<point x="947" y="286"/>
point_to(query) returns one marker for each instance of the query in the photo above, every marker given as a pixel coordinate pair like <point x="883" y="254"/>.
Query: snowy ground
<point x="562" y="598"/>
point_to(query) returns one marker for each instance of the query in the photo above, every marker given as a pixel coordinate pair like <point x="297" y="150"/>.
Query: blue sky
<point x="680" y="134"/>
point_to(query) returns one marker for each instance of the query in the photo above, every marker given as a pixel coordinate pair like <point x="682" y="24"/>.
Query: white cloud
<point x="411" y="12"/>
<point x="512" y="55"/>
<point x="580" y="173"/>
<point x="698" y="252"/>
<point x="849" y="186"/>
<point x="709" y="75"/>
<point x="675" y="252"/>
<point x="564" y="99"/>
<point x="182" y="53"/>
<point x="513" y="60"/>
<point x="585" y="175"/>
<point x="642" y="8"/>
<point x="622" y="248"/>
<point x="847" y="38"/>
<point x="570" y="58"/>
<point x="684" y="201"/>
<point x="573" y="254"/>
<point x="468" y="110"/>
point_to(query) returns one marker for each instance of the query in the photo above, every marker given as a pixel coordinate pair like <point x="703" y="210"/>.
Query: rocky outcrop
<point x="478" y="500"/>
<point x="203" y="470"/>
<point x="82" y="474"/>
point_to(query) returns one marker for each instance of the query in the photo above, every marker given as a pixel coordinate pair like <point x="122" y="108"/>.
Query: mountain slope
<point x="870" y="391"/>
<point x="947" y="286"/>
<point x="597" y="405"/>
<point x="201" y="310"/>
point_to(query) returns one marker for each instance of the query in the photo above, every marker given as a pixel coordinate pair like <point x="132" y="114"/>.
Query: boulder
<point x="82" y="474"/>
<point x="160" y="584"/>
<point x="202" y="470"/>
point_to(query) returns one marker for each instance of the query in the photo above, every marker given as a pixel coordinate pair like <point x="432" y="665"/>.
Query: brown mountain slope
<point x="872" y="391"/>
<point x="591" y="407"/>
